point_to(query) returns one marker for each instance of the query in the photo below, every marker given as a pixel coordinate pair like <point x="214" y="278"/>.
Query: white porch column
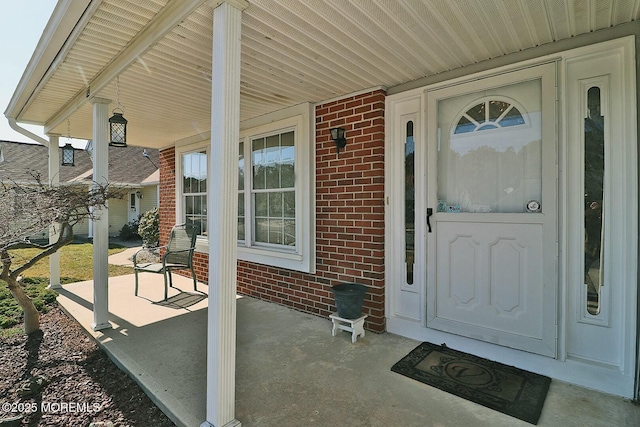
<point x="101" y="223"/>
<point x="54" y="179"/>
<point x="223" y="211"/>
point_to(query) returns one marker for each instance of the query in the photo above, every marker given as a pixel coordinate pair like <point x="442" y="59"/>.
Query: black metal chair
<point x="178" y="256"/>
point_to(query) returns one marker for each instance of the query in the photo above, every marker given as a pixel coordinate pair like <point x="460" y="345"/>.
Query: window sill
<point x="290" y="261"/>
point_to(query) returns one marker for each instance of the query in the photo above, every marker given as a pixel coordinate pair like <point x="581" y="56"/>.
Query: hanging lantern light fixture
<point x="68" y="153"/>
<point x="117" y="130"/>
<point x="117" y="122"/>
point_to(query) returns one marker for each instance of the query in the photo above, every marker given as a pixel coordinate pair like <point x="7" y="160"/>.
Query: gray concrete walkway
<point x="124" y="257"/>
<point x="291" y="371"/>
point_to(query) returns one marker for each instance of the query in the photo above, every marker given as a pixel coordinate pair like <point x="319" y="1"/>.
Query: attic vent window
<point x="489" y="114"/>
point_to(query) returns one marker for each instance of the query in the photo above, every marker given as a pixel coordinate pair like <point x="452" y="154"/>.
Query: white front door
<point x="134" y="206"/>
<point x="492" y="209"/>
<point x="485" y="270"/>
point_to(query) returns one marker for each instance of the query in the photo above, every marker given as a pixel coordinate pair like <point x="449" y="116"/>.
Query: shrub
<point x="36" y="288"/>
<point x="149" y="228"/>
<point x="7" y="322"/>
<point x="129" y="231"/>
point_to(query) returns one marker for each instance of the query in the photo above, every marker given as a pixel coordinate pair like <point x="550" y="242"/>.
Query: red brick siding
<point x="168" y="209"/>
<point x="167" y="200"/>
<point x="201" y="266"/>
<point x="349" y="217"/>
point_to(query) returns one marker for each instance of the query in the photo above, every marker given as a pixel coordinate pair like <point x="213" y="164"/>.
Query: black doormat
<point x="504" y="388"/>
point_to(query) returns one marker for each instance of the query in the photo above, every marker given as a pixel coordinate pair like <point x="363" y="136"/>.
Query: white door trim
<point x="537" y="332"/>
<point x="413" y="324"/>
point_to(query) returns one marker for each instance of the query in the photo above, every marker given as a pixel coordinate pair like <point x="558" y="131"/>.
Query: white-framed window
<point x="490" y="152"/>
<point x="191" y="186"/>
<point x="270" y="186"/>
<point x="194" y="187"/>
<point x="275" y="190"/>
<point x="489" y="113"/>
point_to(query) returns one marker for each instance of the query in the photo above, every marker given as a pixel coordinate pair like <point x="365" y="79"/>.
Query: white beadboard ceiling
<point x="295" y="51"/>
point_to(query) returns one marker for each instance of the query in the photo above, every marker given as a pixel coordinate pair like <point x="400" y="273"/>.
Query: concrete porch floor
<point x="290" y="370"/>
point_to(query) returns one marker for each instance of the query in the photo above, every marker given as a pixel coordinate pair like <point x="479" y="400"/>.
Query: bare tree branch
<point x="46" y="250"/>
<point x="26" y="210"/>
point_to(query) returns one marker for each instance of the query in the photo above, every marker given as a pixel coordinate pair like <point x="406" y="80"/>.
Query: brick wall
<point x="168" y="209"/>
<point x="201" y="266"/>
<point x="349" y="216"/>
<point x="167" y="202"/>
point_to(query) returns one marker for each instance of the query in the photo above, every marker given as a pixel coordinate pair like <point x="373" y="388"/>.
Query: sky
<point x="21" y="25"/>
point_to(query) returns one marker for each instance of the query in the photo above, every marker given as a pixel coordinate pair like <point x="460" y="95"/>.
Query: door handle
<point x="429" y="213"/>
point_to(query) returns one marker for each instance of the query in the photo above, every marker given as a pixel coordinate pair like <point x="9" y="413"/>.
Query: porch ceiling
<point x="292" y="51"/>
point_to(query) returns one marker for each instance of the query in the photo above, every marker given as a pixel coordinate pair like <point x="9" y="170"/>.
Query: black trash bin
<point x="349" y="299"/>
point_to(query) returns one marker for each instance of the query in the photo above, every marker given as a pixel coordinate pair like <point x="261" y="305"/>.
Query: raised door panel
<point x="488" y="280"/>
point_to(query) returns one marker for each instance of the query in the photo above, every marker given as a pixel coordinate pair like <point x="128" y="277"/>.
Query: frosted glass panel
<point x="410" y="200"/>
<point x="594" y="172"/>
<point x="490" y="151"/>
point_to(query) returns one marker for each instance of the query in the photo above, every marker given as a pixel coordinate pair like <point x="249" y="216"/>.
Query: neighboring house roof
<point x="127" y="166"/>
<point x="153" y="179"/>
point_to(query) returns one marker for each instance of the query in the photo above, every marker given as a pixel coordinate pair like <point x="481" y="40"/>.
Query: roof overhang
<point x="292" y="52"/>
<point x="62" y="29"/>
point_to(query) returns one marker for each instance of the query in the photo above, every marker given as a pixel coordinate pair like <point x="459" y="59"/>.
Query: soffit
<point x="300" y="51"/>
<point x="112" y="27"/>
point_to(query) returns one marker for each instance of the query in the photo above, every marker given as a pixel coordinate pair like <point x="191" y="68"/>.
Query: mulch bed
<point x="61" y="378"/>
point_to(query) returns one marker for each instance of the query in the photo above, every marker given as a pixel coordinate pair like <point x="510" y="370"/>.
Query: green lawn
<point x="76" y="265"/>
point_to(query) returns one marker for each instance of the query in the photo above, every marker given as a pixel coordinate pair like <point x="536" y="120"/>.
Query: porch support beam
<point x="54" y="179"/>
<point x="222" y="206"/>
<point x="101" y="221"/>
